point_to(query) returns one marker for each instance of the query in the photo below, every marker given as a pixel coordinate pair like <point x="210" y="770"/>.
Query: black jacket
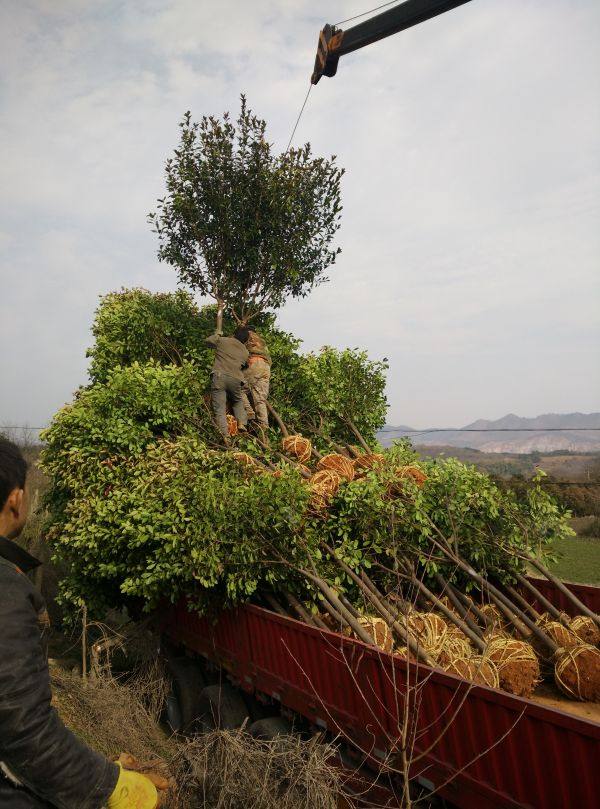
<point x="53" y="766"/>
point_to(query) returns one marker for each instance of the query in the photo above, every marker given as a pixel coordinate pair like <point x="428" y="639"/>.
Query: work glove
<point x="135" y="790"/>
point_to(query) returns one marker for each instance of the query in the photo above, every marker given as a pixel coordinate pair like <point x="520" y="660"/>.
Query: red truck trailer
<point x="475" y="746"/>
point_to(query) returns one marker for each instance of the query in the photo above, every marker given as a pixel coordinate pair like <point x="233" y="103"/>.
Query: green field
<point x="580" y="560"/>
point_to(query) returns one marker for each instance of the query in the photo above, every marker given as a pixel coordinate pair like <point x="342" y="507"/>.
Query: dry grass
<point x="217" y="770"/>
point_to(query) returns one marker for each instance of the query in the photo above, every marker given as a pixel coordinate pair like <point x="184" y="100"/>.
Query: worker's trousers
<point x="226" y="388"/>
<point x="256" y="392"/>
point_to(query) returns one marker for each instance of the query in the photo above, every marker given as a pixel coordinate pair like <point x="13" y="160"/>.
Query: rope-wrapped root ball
<point x="452" y="648"/>
<point x="324" y="485"/>
<point x="586" y="629"/>
<point x="232" y="425"/>
<point x="378" y="629"/>
<point x="563" y="637"/>
<point x="429" y="631"/>
<point x="577" y="672"/>
<point x="338" y="463"/>
<point x="364" y="463"/>
<point x="298" y="446"/>
<point x="479" y="670"/>
<point x="493" y="615"/>
<point x="517" y="664"/>
<point x="404" y="474"/>
<point x="251" y="467"/>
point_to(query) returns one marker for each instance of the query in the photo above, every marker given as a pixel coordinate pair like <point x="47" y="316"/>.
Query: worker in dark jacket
<point x="42" y="764"/>
<point x="227" y="378"/>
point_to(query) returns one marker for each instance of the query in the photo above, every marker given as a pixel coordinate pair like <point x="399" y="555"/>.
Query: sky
<point x="470" y="238"/>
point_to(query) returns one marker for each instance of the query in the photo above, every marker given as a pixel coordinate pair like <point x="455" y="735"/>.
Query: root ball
<point x="586" y="629"/>
<point x="562" y="636"/>
<point x="338" y="463"/>
<point x="517" y="664"/>
<point x="298" y="446"/>
<point x="577" y="672"/>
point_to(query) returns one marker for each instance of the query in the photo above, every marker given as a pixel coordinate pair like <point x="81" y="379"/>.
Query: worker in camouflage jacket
<point x="257" y="377"/>
<point x="42" y="764"/>
<point x="227" y="378"/>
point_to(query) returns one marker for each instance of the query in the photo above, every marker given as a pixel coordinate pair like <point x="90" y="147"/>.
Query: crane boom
<point x="334" y="42"/>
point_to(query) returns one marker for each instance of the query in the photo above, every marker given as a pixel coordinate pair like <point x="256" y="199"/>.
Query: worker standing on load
<point x="257" y="377"/>
<point x="42" y="764"/>
<point x="227" y="378"/>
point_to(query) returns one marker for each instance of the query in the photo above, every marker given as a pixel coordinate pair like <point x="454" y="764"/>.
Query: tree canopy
<point x="242" y="224"/>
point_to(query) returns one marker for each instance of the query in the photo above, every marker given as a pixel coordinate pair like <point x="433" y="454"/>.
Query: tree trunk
<point x="565" y="590"/>
<point x="359" y="437"/>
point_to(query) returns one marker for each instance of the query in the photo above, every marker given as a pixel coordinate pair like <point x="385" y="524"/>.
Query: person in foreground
<point x="42" y="764"/>
<point x="227" y="378"/>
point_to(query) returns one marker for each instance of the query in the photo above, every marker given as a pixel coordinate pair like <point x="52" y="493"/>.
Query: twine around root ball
<point x="412" y="472"/>
<point x="451" y="648"/>
<point x="324" y="485"/>
<point x="577" y="672"/>
<point x="476" y="668"/>
<point x="493" y="614"/>
<point x="430" y="631"/>
<point x="563" y="637"/>
<point x="517" y="664"/>
<point x="403" y="475"/>
<point x="232" y="425"/>
<point x="378" y="630"/>
<point x="364" y="463"/>
<point x="325" y="482"/>
<point x="337" y="463"/>
<point x="298" y="446"/>
<point x="586" y="629"/>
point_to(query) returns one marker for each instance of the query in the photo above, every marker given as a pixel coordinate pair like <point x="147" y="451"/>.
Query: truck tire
<point x="270" y="728"/>
<point x="184" y="706"/>
<point x="222" y="707"/>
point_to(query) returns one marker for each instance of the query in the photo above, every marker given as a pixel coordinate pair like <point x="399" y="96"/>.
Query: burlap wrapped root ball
<point x="563" y="637"/>
<point x="430" y="631"/>
<point x="324" y="486"/>
<point x="517" y="664"/>
<point x="453" y="647"/>
<point x="337" y="463"/>
<point x="364" y="463"/>
<point x="378" y="630"/>
<point x="577" y="672"/>
<point x="477" y="669"/>
<point x="494" y="616"/>
<point x="403" y="475"/>
<point x="232" y="425"/>
<point x="298" y="446"/>
<point x="586" y="629"/>
<point x="249" y="464"/>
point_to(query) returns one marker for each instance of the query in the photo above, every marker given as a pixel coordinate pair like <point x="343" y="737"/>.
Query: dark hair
<point x="242" y="333"/>
<point x="13" y="469"/>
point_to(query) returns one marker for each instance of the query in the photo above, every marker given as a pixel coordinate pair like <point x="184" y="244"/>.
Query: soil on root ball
<point x="577" y="672"/>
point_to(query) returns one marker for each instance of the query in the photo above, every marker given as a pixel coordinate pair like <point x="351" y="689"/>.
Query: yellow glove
<point x="133" y="791"/>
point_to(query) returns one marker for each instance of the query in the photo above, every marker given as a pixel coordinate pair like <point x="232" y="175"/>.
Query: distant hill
<point x="509" y="434"/>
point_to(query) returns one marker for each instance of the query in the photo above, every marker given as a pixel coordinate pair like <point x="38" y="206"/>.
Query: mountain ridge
<point x="510" y="433"/>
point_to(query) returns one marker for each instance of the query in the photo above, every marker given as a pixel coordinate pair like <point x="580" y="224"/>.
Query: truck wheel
<point x="270" y="728"/>
<point x="222" y="707"/>
<point x="183" y="701"/>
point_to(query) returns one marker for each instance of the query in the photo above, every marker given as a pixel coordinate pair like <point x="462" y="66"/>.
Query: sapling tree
<point x="242" y="224"/>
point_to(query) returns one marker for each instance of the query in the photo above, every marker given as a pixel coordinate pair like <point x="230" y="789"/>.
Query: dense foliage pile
<point x="145" y="505"/>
